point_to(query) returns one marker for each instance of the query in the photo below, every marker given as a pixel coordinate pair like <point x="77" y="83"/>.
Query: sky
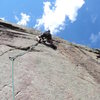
<point x="77" y="21"/>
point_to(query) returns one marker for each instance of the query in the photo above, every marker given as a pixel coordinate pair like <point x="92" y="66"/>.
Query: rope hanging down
<point x="12" y="59"/>
<point x="13" y="79"/>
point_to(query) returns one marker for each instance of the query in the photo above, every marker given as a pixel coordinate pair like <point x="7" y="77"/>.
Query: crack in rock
<point x="10" y="26"/>
<point x="6" y="85"/>
<point x="27" y="49"/>
<point x="96" y="51"/>
<point x="86" y="80"/>
<point x="6" y="52"/>
<point x="17" y="93"/>
<point x="23" y="48"/>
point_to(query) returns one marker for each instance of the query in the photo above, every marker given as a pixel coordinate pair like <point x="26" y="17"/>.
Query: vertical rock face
<point x="72" y="72"/>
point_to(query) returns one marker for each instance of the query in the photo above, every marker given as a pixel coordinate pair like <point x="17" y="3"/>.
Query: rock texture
<point x="72" y="72"/>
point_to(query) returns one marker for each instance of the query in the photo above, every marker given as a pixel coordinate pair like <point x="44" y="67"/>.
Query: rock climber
<point x="45" y="37"/>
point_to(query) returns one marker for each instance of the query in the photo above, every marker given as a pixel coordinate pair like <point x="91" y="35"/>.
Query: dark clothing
<point x="46" y="39"/>
<point x="46" y="35"/>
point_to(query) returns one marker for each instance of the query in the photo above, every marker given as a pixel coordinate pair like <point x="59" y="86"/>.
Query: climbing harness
<point x="13" y="59"/>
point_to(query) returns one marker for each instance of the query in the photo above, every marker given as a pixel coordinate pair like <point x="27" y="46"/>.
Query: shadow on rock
<point x="51" y="46"/>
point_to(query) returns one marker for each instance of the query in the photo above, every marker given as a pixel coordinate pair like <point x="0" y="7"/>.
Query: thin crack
<point x="23" y="48"/>
<point x="86" y="80"/>
<point x="17" y="93"/>
<point x="6" y="85"/>
<point x="6" y="52"/>
<point x="27" y="49"/>
<point x="96" y="51"/>
<point x="20" y="48"/>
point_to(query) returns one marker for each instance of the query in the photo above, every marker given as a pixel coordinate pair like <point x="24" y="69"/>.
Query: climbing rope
<point x="13" y="79"/>
<point x="12" y="60"/>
